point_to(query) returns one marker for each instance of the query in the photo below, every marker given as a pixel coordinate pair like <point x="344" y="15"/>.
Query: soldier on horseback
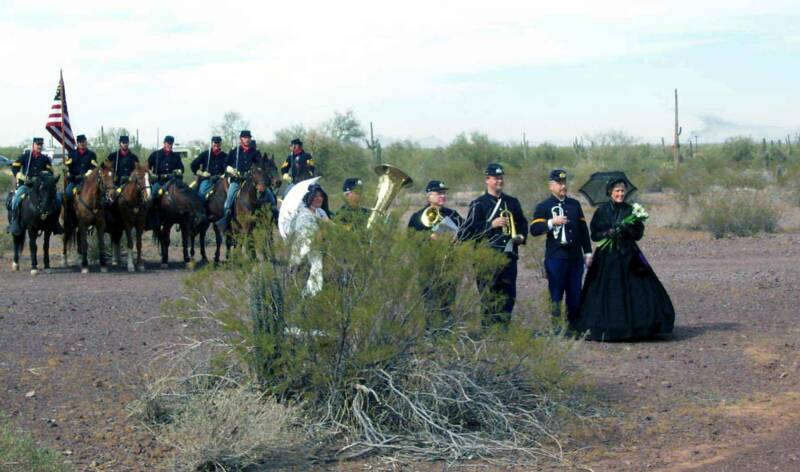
<point x="79" y="163"/>
<point x="238" y="163"/>
<point x="165" y="165"/>
<point x="122" y="161"/>
<point x="27" y="167"/>
<point x="299" y="164"/>
<point x="208" y="166"/>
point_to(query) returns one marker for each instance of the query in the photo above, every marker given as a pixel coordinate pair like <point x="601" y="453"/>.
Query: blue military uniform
<point x="206" y="166"/>
<point x="502" y="287"/>
<point x="164" y="165"/>
<point x="123" y="164"/>
<point x="240" y="160"/>
<point x="352" y="216"/>
<point x="565" y="247"/>
<point x="26" y="167"/>
<point x="78" y="164"/>
<point x="298" y="166"/>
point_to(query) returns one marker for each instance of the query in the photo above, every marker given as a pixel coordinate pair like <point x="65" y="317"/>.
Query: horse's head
<point x="43" y="192"/>
<point x="266" y="175"/>
<point x="104" y="176"/>
<point x="141" y="178"/>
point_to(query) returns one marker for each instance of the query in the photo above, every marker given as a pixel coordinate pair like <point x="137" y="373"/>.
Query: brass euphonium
<point x="390" y="181"/>
<point x="431" y="217"/>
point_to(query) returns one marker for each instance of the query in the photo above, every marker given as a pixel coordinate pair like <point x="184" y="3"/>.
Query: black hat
<point x="245" y="134"/>
<point x="124" y="139"/>
<point x="558" y="175"/>
<point x="309" y="196"/>
<point x="350" y="184"/>
<point x="297" y="142"/>
<point x="494" y="169"/>
<point x="81" y="138"/>
<point x="435" y="186"/>
<point x="169" y="139"/>
<point x="614" y="181"/>
<point x="216" y="139"/>
<point x="38" y="141"/>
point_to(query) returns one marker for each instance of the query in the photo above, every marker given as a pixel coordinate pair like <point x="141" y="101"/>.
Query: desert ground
<point x="722" y="394"/>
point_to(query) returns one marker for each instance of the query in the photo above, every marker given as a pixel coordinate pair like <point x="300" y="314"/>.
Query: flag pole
<point x="63" y="151"/>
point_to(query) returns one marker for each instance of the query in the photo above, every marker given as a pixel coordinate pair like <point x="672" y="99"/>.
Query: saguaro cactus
<point x="374" y="145"/>
<point x="676" y="144"/>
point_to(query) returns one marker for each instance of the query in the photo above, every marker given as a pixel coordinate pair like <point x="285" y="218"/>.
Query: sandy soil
<point x="721" y="395"/>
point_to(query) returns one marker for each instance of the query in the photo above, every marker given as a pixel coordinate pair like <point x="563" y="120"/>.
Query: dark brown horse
<point x="91" y="204"/>
<point x="38" y="214"/>
<point x="215" y="209"/>
<point x="130" y="214"/>
<point x="257" y="193"/>
<point x="179" y="205"/>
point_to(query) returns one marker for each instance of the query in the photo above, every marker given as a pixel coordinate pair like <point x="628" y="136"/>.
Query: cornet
<point x="511" y="228"/>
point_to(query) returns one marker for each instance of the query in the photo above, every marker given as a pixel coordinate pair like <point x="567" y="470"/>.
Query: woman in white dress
<point x="304" y="227"/>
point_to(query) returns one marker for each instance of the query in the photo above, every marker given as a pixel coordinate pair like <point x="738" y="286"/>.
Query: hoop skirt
<point x="622" y="299"/>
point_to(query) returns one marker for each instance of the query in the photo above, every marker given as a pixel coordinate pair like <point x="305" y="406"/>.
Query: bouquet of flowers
<point x="638" y="214"/>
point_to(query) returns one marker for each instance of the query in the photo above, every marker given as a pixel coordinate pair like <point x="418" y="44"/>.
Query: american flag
<point x="58" y="120"/>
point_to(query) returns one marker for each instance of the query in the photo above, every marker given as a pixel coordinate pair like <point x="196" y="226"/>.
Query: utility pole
<point x="676" y="144"/>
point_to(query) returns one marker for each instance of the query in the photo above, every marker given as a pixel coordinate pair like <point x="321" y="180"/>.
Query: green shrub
<point x="18" y="452"/>
<point x="741" y="212"/>
<point x="376" y="359"/>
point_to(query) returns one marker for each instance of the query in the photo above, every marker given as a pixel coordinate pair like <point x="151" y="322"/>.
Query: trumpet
<point x="511" y="228"/>
<point x="559" y="232"/>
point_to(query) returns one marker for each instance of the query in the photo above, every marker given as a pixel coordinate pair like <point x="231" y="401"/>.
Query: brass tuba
<point x="390" y="181"/>
<point x="431" y="217"/>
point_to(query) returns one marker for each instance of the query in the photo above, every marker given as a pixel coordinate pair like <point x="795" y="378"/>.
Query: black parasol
<point x="595" y="188"/>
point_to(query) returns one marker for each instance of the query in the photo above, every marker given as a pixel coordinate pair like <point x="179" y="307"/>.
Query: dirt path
<point x="722" y="395"/>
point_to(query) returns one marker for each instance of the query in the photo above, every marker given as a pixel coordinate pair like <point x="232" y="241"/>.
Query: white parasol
<point x="291" y="203"/>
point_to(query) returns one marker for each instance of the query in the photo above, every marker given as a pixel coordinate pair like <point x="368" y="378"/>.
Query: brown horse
<point x="256" y="193"/>
<point x="129" y="214"/>
<point x="215" y="209"/>
<point x="91" y="205"/>
<point x="179" y="205"/>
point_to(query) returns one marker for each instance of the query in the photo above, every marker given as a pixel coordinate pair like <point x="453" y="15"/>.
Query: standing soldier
<point x="435" y="219"/>
<point x="497" y="219"/>
<point x="299" y="164"/>
<point x="27" y="167"/>
<point x="238" y="162"/>
<point x="122" y="161"/>
<point x="568" y="247"/>
<point x="352" y="214"/>
<point x="166" y="165"/>
<point x="436" y="194"/>
<point x="79" y="163"/>
<point x="209" y="164"/>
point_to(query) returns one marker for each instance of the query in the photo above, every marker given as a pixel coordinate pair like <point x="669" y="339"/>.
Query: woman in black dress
<point x="622" y="298"/>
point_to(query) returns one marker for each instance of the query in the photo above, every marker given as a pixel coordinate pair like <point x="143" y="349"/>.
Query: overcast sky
<point x="555" y="70"/>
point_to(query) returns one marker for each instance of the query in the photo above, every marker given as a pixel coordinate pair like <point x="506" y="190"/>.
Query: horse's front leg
<point x="19" y="243"/>
<point x="46" y="250"/>
<point x="185" y="237"/>
<point x="164" y="234"/>
<point x="129" y="240"/>
<point x="101" y="245"/>
<point x="218" y="240"/>
<point x="83" y="247"/>
<point x="32" y="248"/>
<point x="139" y="263"/>
<point x="202" y="235"/>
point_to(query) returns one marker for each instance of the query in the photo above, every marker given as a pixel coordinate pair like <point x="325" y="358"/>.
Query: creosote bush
<point x="390" y="356"/>
<point x="739" y="212"/>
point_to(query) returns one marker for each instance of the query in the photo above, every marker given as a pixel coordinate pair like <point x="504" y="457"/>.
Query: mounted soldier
<point x="239" y="162"/>
<point x="165" y="165"/>
<point x="79" y="163"/>
<point x="299" y="164"/>
<point x="29" y="166"/>
<point x="122" y="161"/>
<point x="209" y="166"/>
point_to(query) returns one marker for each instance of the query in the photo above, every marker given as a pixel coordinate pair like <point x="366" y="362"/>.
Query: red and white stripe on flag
<point x="58" y="120"/>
